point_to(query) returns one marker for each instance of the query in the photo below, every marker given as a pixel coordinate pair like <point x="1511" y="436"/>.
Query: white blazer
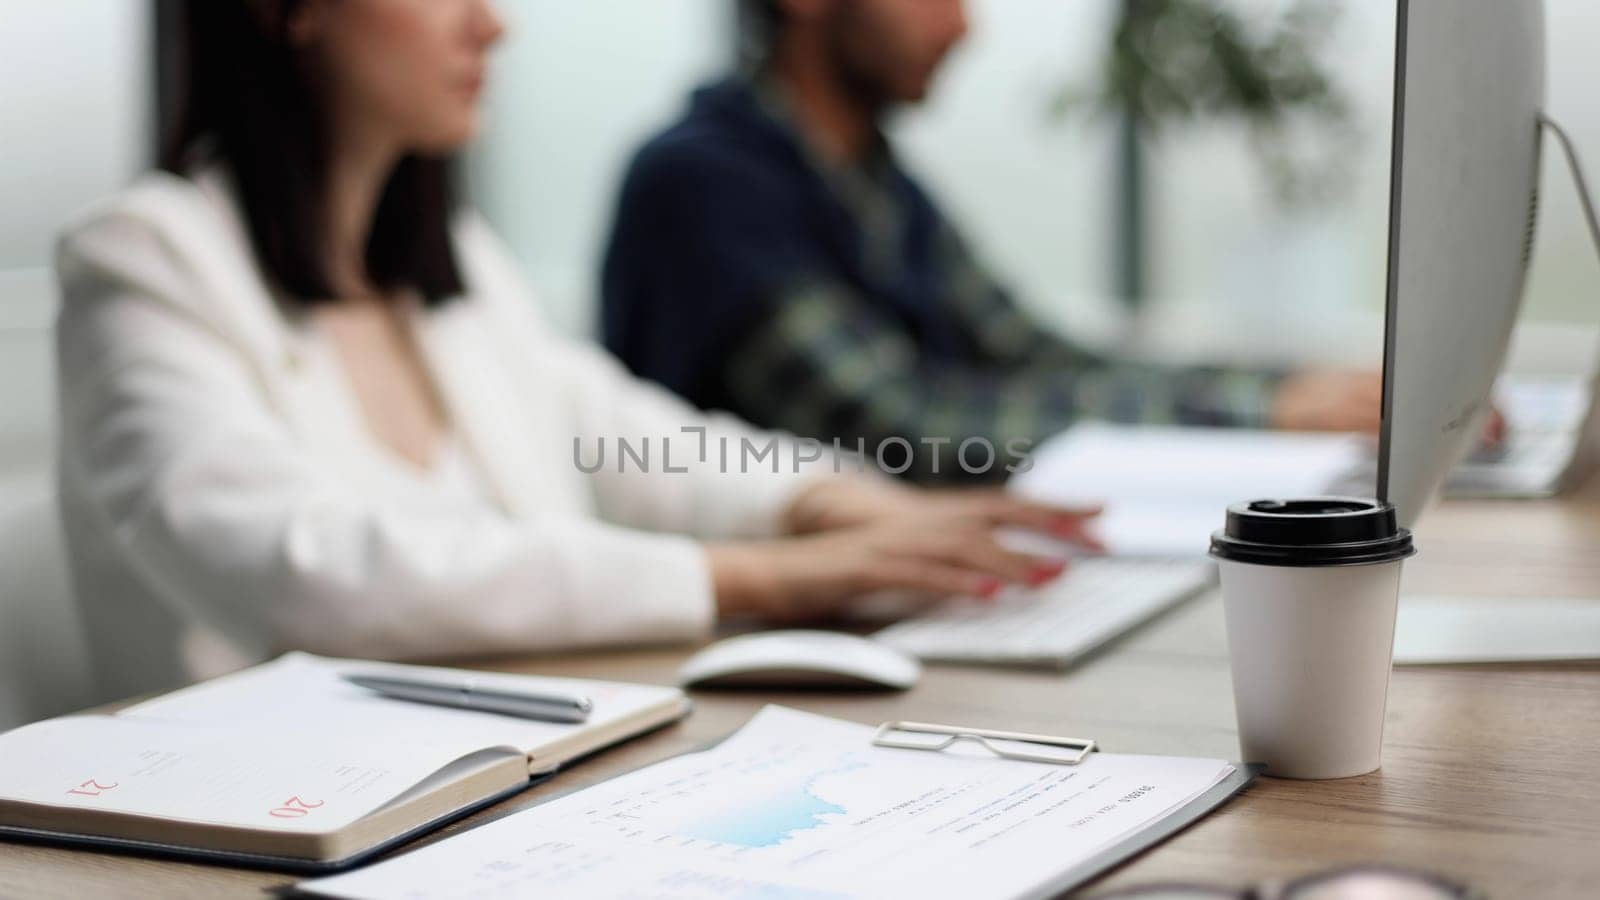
<point x="216" y="491"/>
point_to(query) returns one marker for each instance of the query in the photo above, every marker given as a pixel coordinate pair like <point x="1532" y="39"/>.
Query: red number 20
<point x="294" y="808"/>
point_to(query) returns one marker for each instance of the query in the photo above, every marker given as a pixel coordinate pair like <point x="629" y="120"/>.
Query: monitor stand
<point x="1434" y="630"/>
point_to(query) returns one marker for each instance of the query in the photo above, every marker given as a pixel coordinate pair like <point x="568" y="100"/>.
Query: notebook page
<point x="798" y="805"/>
<point x="301" y="691"/>
<point x="279" y="781"/>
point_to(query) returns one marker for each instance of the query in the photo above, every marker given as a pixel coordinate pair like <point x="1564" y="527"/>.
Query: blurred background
<point x="1179" y="237"/>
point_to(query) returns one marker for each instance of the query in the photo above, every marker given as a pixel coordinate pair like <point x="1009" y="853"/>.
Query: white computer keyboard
<point x="1054" y="625"/>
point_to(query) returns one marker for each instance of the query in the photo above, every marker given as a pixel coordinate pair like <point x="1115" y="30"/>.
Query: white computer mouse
<point x="800" y="658"/>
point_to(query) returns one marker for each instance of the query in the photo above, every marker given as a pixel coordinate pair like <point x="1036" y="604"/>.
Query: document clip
<point x="1044" y="748"/>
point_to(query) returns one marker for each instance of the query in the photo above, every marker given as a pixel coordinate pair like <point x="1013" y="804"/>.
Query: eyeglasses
<point x="1044" y="748"/>
<point x="1354" y="883"/>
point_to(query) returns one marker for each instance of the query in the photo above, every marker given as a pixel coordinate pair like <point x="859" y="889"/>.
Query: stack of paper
<point x="1167" y="489"/>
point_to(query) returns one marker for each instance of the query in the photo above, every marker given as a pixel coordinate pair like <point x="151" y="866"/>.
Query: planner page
<point x="299" y="691"/>
<point x="287" y="780"/>
<point x="802" y="806"/>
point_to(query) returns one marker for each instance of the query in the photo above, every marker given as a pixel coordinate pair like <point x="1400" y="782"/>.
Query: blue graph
<point x="767" y="821"/>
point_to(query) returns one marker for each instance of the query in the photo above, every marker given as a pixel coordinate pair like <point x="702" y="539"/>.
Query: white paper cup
<point x="1310" y="589"/>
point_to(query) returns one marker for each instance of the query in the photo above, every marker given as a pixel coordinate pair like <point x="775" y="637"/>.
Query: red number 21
<point x="294" y="808"/>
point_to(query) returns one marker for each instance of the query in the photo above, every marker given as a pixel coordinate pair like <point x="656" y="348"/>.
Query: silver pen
<point x="466" y="693"/>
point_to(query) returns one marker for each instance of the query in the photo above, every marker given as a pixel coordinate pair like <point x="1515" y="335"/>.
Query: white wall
<point x="575" y="88"/>
<point x="73" y="111"/>
<point x="74" y="88"/>
<point x="74" y="107"/>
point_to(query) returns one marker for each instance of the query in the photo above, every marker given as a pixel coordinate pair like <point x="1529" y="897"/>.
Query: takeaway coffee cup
<point x="1310" y="588"/>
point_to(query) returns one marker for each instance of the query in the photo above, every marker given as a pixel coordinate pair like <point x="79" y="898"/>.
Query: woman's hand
<point x="817" y="576"/>
<point x="853" y="502"/>
<point x="857" y="536"/>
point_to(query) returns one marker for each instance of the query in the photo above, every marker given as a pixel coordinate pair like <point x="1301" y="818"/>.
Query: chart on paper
<point x="789" y="804"/>
<point x="799" y="806"/>
<point x="767" y="818"/>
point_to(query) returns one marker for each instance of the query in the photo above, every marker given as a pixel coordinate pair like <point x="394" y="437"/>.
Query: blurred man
<point x="771" y="257"/>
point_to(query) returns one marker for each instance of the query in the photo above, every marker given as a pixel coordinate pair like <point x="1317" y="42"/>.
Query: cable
<point x="1575" y="165"/>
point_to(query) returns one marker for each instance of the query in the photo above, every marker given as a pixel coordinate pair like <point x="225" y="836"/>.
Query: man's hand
<point x="1329" y="400"/>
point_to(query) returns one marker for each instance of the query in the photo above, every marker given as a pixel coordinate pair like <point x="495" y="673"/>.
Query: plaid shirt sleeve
<point x="826" y="363"/>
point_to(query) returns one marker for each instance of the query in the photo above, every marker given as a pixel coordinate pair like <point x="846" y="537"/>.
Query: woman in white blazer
<point x="305" y="405"/>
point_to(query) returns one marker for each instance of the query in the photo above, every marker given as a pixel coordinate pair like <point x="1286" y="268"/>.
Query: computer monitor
<point x="1469" y="89"/>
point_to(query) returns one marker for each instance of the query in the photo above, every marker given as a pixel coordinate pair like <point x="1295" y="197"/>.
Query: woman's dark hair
<point x="245" y="97"/>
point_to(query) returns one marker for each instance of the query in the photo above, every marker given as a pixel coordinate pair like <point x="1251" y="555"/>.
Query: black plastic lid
<point x="1318" y="531"/>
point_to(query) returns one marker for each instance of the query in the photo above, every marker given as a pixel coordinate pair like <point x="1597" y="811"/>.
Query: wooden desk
<point x="1489" y="772"/>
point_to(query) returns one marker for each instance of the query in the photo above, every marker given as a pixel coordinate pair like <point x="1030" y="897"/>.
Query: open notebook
<point x="286" y="765"/>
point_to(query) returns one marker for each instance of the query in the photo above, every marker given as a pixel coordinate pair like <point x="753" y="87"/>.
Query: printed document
<point x="802" y="806"/>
